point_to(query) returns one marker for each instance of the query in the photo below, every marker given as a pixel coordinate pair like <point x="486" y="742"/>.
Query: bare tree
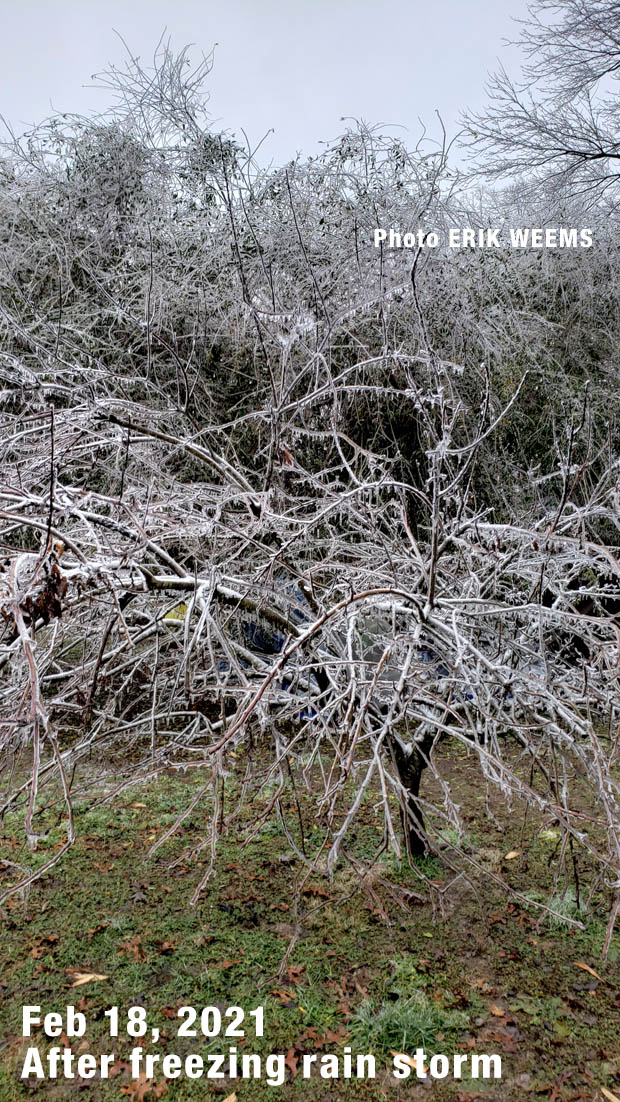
<point x="560" y="124"/>
<point x="254" y="514"/>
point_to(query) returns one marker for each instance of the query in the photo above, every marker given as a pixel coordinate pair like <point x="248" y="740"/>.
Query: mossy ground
<point x="486" y="975"/>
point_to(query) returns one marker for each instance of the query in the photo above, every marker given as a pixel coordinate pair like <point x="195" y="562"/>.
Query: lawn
<point x="373" y="962"/>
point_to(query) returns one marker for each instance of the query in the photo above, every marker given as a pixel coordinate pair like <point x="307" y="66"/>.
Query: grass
<point x="333" y="964"/>
<point x="564" y="906"/>
<point x="405" y="1024"/>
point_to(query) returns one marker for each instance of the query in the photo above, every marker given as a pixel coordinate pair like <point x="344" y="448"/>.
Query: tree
<point x="559" y="125"/>
<point x="270" y="507"/>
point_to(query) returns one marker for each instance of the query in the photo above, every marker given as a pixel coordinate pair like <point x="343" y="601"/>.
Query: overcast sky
<point x="296" y="66"/>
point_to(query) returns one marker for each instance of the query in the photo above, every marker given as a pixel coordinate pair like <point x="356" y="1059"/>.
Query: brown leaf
<point x="287" y="998"/>
<point x="511" y="856"/>
<point x="291" y="1060"/>
<point x="586" y="968"/>
<point x="496" y="916"/>
<point x="42" y="945"/>
<point x="132" y="947"/>
<point x="294" y="972"/>
<point x="507" y="1042"/>
<point x="334" y="1037"/>
<point x="609" y="1095"/>
<point x="117" y="1067"/>
<point x="226" y="964"/>
<point x="310" y="890"/>
<point x="97" y="929"/>
<point x="497" y="1011"/>
<point x="231" y="1097"/>
<point x="204" y="939"/>
<point x="138" y="1089"/>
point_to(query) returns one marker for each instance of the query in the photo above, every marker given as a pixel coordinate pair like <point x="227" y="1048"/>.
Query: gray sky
<point x="295" y="65"/>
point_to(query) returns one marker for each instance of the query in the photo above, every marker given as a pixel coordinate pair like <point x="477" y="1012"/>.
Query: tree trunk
<point x="410" y="767"/>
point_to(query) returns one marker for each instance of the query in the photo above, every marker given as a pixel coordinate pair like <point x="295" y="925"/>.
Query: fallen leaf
<point x="508" y="1043"/>
<point x="411" y="1061"/>
<point x="287" y="998"/>
<point x="310" y="890"/>
<point x="609" y="1095"/>
<point x="586" y="968"/>
<point x="497" y="1011"/>
<point x="231" y="1098"/>
<point x="133" y="948"/>
<point x="511" y="856"/>
<point x="138" y="1089"/>
<point x="224" y="965"/>
<point x="334" y="1037"/>
<point x="119" y="1066"/>
<point x="291" y="1060"/>
<point x="294" y="972"/>
<point x="42" y="945"/>
<point x="80" y="978"/>
<point x="404" y="1057"/>
<point x="97" y="929"/>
